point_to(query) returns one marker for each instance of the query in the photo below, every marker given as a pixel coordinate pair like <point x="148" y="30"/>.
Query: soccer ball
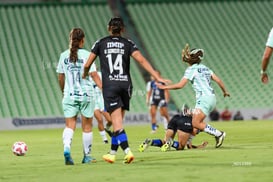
<point x="19" y="148"/>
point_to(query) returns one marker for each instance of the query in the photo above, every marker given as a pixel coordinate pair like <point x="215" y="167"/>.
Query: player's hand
<point x="226" y="94"/>
<point x="264" y="78"/>
<point x="84" y="75"/>
<point x="163" y="80"/>
<point x="159" y="85"/>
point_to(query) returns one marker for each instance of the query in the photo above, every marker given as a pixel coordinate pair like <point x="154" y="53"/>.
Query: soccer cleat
<point x="67" y="157"/>
<point x="129" y="157"/>
<point x="153" y="132"/>
<point x="109" y="132"/>
<point x="144" y="145"/>
<point x="220" y="139"/>
<point x="105" y="141"/>
<point x="166" y="146"/>
<point x="109" y="158"/>
<point x="88" y="159"/>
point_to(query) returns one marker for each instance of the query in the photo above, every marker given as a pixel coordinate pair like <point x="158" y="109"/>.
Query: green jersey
<point x="200" y="77"/>
<point x="75" y="87"/>
<point x="269" y="42"/>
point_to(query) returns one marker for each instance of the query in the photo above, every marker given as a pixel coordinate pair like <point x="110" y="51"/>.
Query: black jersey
<point x="157" y="94"/>
<point x="114" y="53"/>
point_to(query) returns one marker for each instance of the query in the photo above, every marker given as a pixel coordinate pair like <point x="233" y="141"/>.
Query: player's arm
<point x="61" y="79"/>
<point x="147" y="66"/>
<point x="175" y="86"/>
<point x="88" y="64"/>
<point x="94" y="75"/>
<point x="167" y="95"/>
<point x="148" y="96"/>
<point x="203" y="145"/>
<point x="191" y="146"/>
<point x="265" y="61"/>
<point x="221" y="84"/>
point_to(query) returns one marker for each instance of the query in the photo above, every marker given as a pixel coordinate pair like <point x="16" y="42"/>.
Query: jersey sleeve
<point x="148" y="86"/>
<point x="133" y="47"/>
<point x="95" y="47"/>
<point x="269" y="42"/>
<point x="60" y="68"/>
<point x="189" y="74"/>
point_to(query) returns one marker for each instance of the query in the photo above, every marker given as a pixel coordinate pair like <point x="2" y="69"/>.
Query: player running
<point x="114" y="53"/>
<point x="158" y="98"/>
<point x="77" y="94"/>
<point x="200" y="76"/>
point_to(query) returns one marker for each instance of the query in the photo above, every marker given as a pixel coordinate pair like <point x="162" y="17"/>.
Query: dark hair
<point x="116" y="25"/>
<point x="194" y="56"/>
<point x="76" y="35"/>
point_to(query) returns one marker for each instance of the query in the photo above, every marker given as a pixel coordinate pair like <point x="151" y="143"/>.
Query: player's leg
<point x="108" y="123"/>
<point x="108" y="119"/>
<point x="120" y="135"/>
<point x="183" y="138"/>
<point x="168" y="140"/>
<point x="70" y="108"/>
<point x="153" y="110"/>
<point x="87" y="111"/>
<point x="68" y="133"/>
<point x="164" y="116"/>
<point x="202" y="109"/>
<point x="99" y="118"/>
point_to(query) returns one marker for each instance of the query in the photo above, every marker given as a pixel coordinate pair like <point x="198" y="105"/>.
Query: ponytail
<point x="76" y="36"/>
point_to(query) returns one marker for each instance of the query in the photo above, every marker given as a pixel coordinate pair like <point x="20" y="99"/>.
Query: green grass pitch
<point x="246" y="155"/>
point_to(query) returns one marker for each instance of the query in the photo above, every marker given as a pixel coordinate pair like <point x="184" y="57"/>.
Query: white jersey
<point x="269" y="42"/>
<point x="99" y="102"/>
<point x="200" y="77"/>
<point x="75" y="87"/>
<point x="98" y="91"/>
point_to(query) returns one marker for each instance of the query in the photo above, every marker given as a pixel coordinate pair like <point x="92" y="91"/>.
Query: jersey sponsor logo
<point x="115" y="45"/>
<point x="200" y="70"/>
<point x="67" y="61"/>
<point x="113" y="104"/>
<point x="113" y="51"/>
<point x="118" y="77"/>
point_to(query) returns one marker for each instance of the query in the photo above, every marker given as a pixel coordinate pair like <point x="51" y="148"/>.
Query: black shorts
<point x="116" y="97"/>
<point x="159" y="103"/>
<point x="180" y="122"/>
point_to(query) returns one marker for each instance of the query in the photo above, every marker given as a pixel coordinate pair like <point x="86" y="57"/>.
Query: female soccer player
<point x="158" y="98"/>
<point x="77" y="94"/>
<point x="180" y="124"/>
<point x="266" y="57"/>
<point x="114" y="52"/>
<point x="100" y="112"/>
<point x="200" y="76"/>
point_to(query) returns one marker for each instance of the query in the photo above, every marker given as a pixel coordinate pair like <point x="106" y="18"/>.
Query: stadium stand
<point x="233" y="34"/>
<point x="32" y="38"/>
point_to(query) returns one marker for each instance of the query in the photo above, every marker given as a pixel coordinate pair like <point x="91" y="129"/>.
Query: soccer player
<point x="100" y="112"/>
<point x="77" y="94"/>
<point x="158" y="98"/>
<point x="114" y="52"/>
<point x="180" y="124"/>
<point x="266" y="57"/>
<point x="200" y="76"/>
